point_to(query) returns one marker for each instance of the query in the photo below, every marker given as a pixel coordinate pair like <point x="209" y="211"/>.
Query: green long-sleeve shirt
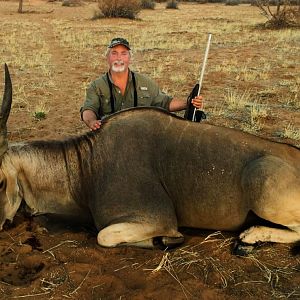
<point x="148" y="94"/>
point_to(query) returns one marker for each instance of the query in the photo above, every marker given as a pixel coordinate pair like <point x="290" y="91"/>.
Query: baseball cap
<point x="119" y="41"/>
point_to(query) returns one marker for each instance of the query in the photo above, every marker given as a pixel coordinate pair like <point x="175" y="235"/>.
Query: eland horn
<point x="4" y="113"/>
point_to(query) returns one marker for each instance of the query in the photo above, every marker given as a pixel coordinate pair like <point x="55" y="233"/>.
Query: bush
<point x="71" y="3"/>
<point x="215" y="1"/>
<point x="148" y="4"/>
<point x="284" y="15"/>
<point x="172" y="4"/>
<point x="120" y="8"/>
<point x="97" y="15"/>
<point x="282" y="2"/>
<point x="232" y="2"/>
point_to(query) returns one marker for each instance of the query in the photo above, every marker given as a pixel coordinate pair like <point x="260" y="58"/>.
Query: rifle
<point x="191" y="113"/>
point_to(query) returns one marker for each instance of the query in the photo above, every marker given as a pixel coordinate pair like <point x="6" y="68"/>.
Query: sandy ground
<point x="45" y="258"/>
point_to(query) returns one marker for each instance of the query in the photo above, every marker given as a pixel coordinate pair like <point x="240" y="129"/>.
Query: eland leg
<point x="272" y="186"/>
<point x="139" y="235"/>
<point x="267" y="234"/>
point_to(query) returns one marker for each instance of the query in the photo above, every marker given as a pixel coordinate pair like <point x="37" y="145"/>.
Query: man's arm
<point x="90" y="119"/>
<point x="177" y="104"/>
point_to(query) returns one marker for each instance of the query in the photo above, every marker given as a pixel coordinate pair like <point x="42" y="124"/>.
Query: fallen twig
<point x="30" y="295"/>
<point x="58" y="245"/>
<point x="81" y="283"/>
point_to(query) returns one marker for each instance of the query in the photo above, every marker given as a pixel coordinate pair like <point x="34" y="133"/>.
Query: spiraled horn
<point x="4" y="113"/>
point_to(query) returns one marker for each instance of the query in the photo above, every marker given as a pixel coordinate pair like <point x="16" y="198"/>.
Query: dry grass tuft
<point x="291" y="132"/>
<point x="236" y="99"/>
<point x="211" y="261"/>
<point x="192" y="259"/>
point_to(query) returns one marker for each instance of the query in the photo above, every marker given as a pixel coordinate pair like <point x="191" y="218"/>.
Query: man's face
<point x="118" y="59"/>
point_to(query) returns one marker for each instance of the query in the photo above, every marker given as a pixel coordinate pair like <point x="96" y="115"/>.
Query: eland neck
<point x="48" y="175"/>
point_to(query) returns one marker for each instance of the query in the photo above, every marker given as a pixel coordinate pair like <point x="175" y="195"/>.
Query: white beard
<point x="118" y="66"/>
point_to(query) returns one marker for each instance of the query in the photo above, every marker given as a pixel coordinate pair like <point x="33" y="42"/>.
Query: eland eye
<point x="2" y="184"/>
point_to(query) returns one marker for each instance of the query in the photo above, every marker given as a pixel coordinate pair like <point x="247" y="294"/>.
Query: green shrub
<point x="39" y="115"/>
<point x="148" y="4"/>
<point x="172" y="4"/>
<point x="40" y="111"/>
<point x="120" y="8"/>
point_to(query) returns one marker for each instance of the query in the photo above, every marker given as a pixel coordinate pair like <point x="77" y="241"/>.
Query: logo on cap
<point x="119" y="41"/>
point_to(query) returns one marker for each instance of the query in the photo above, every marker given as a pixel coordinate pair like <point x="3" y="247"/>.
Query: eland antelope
<point x="146" y="172"/>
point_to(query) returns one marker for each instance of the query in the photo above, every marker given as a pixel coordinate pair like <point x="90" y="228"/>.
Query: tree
<point x="20" y="10"/>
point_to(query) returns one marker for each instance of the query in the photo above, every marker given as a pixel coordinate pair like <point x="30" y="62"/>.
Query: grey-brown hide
<point x="146" y="172"/>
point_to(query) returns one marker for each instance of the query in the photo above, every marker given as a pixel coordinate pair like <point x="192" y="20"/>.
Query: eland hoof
<point x="242" y="249"/>
<point x="163" y="242"/>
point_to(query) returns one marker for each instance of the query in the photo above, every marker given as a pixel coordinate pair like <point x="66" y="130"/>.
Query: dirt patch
<point x="66" y="262"/>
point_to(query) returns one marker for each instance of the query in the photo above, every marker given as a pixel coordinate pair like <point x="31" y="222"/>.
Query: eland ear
<point x="14" y="198"/>
<point x="12" y="189"/>
<point x="10" y="193"/>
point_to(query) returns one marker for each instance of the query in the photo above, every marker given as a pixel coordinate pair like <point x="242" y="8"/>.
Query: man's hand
<point x="94" y="125"/>
<point x="198" y="102"/>
<point x="90" y="119"/>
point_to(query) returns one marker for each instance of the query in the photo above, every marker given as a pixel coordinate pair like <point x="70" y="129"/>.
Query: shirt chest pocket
<point x="105" y="105"/>
<point x="144" y="97"/>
